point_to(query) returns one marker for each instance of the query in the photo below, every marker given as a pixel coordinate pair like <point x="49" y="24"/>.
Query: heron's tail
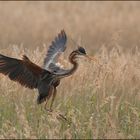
<point x="41" y="98"/>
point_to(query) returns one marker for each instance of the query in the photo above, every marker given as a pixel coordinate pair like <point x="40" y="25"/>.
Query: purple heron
<point x="44" y="79"/>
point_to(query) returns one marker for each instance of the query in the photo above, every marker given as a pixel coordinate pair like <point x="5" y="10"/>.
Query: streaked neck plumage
<point x="72" y="59"/>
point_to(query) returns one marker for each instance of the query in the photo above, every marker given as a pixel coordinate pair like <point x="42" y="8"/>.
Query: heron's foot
<point x="48" y="109"/>
<point x="63" y="118"/>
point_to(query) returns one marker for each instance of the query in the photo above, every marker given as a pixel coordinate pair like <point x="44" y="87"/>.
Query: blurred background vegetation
<point x="92" y="23"/>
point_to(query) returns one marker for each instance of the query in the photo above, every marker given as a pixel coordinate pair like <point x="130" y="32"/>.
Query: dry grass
<point x="101" y="100"/>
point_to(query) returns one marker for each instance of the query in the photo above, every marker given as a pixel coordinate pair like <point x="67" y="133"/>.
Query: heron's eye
<point x="81" y="50"/>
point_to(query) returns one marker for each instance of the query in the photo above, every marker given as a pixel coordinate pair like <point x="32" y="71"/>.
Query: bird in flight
<point x="46" y="78"/>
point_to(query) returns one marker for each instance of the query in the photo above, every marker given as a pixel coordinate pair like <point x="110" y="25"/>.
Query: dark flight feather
<point x="56" y="48"/>
<point x="23" y="71"/>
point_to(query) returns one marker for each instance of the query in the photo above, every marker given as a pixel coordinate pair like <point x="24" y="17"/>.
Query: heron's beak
<point x="91" y="58"/>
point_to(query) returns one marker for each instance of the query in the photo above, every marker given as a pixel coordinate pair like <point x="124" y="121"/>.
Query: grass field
<point x="101" y="100"/>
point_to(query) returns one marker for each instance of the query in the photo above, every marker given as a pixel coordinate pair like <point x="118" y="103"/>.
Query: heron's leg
<point x="54" y="95"/>
<point x="48" y="97"/>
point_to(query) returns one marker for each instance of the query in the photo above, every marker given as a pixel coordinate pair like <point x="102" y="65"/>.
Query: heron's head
<point x="81" y="51"/>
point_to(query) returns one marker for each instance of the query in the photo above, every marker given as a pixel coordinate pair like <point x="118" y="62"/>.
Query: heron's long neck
<point x="72" y="59"/>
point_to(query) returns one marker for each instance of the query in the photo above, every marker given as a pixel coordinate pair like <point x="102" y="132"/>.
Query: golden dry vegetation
<point x="101" y="100"/>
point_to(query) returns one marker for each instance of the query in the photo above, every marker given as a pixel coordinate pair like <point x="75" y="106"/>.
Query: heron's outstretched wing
<point x="56" y="48"/>
<point x="23" y="71"/>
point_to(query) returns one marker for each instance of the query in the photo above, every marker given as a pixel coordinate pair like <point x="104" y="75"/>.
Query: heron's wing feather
<point x="23" y="71"/>
<point x="56" y="48"/>
<point x="57" y="70"/>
